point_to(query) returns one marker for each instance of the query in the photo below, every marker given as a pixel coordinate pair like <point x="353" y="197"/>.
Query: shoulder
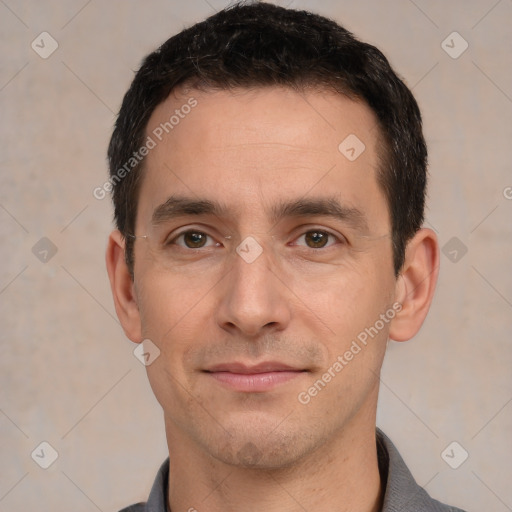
<point x="138" y="507"/>
<point x="401" y="490"/>
<point x="437" y="506"/>
<point x="157" y="497"/>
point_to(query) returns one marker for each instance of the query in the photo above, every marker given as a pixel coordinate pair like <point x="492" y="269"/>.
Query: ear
<point x="123" y="289"/>
<point x="416" y="284"/>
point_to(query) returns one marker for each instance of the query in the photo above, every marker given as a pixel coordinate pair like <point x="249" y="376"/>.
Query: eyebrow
<point x="181" y="206"/>
<point x="322" y="206"/>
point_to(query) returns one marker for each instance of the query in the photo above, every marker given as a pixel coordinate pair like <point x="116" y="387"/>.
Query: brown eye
<point x="191" y="239"/>
<point x="316" y="239"/>
<point x="194" y="239"/>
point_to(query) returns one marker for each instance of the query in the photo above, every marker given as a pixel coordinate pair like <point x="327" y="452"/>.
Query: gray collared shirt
<point x="402" y="493"/>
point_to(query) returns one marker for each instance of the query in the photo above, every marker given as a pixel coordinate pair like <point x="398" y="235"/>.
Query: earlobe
<point x="123" y="290"/>
<point x="416" y="284"/>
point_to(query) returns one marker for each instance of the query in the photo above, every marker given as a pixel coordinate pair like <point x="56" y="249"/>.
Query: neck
<point x="341" y="475"/>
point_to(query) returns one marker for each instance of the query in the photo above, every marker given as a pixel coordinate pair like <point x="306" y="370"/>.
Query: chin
<point x="258" y="446"/>
<point x="255" y="455"/>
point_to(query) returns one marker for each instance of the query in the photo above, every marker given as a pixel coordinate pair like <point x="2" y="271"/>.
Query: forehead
<point x="248" y="148"/>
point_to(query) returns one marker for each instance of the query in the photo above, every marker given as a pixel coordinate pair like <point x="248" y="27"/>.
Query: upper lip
<point x="264" y="367"/>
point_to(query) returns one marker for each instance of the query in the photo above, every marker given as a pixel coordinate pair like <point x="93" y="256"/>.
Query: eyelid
<point x="309" y="228"/>
<point x="172" y="237"/>
<point x="304" y="229"/>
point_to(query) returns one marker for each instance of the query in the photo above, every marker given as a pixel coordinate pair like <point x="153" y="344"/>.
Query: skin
<point x="233" y="450"/>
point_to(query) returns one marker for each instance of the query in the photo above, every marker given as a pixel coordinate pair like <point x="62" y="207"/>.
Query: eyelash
<point x="340" y="240"/>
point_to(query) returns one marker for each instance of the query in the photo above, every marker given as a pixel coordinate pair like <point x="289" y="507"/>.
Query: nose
<point x="254" y="299"/>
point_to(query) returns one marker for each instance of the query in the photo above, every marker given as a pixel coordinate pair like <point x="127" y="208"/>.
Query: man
<point x="268" y="176"/>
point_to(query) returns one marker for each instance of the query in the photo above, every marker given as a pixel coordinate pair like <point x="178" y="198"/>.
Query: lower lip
<point x="254" y="382"/>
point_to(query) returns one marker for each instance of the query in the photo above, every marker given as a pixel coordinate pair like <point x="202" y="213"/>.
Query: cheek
<point x="355" y="342"/>
<point x="345" y="299"/>
<point x="173" y="316"/>
<point x="168" y="302"/>
<point x="176" y="314"/>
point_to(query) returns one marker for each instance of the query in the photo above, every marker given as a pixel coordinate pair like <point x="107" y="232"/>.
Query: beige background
<point x="68" y="374"/>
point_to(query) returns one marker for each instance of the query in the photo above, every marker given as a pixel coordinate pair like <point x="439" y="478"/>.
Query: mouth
<point x="253" y="378"/>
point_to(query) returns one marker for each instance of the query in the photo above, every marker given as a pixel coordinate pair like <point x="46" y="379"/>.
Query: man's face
<point x="242" y="340"/>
